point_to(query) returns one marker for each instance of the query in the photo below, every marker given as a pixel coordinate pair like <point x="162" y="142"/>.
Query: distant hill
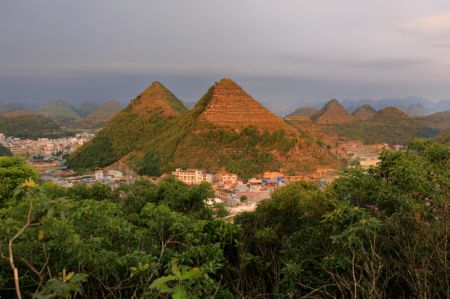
<point x="365" y="112"/>
<point x="391" y="125"/>
<point x="331" y="113"/>
<point x="146" y="117"/>
<point x="390" y="114"/>
<point x="86" y="108"/>
<point x="100" y="116"/>
<point x="444" y="137"/>
<point x="3" y="108"/>
<point x="308" y="111"/>
<point x="31" y="126"/>
<point x="58" y="111"/>
<point x="20" y="112"/>
<point x="226" y="130"/>
<point x="416" y="110"/>
<point x="440" y="119"/>
<point x="4" y="151"/>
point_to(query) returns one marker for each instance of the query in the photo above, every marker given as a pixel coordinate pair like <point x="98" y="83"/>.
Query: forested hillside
<point x="31" y="126"/>
<point x="382" y="233"/>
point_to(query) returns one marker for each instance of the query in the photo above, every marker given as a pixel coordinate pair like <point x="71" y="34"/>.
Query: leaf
<point x="41" y="235"/>
<point x="175" y="269"/>
<point x="191" y="274"/>
<point x="179" y="293"/>
<point x="160" y="283"/>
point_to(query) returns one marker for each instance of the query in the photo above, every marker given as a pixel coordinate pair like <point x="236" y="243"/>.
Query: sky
<point x="285" y="53"/>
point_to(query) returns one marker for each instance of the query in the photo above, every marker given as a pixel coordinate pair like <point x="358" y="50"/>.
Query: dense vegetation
<point x="383" y="233"/>
<point x="127" y="132"/>
<point x="4" y="151"/>
<point x="32" y="127"/>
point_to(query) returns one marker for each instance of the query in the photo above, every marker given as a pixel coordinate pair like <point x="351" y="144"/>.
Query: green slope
<point x="58" y="111"/>
<point x="143" y="120"/>
<point x="31" y="126"/>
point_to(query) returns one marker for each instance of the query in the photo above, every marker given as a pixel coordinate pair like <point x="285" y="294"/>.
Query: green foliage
<point x="4" y="151"/>
<point x="125" y="133"/>
<point x="179" y="277"/>
<point x="14" y="171"/>
<point x="65" y="287"/>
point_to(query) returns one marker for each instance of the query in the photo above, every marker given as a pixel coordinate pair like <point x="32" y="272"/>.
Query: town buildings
<point x="44" y="148"/>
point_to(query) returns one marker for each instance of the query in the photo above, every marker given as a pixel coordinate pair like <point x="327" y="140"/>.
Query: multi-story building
<point x="229" y="178"/>
<point x="193" y="176"/>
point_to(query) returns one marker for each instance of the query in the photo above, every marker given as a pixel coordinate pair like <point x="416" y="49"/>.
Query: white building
<point x="193" y="176"/>
<point x="2" y="138"/>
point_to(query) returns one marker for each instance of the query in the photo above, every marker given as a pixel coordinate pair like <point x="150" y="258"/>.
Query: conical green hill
<point x="149" y="115"/>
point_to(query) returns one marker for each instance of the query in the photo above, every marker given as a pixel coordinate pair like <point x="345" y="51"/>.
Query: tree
<point x="14" y="171"/>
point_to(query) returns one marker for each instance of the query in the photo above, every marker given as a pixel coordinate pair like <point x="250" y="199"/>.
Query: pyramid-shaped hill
<point x="147" y="116"/>
<point x="365" y="112"/>
<point x="332" y="113"/>
<point x="100" y="116"/>
<point x="308" y="111"/>
<point x="226" y="104"/>
<point x="228" y="130"/>
<point x="390" y="114"/>
<point x="157" y="97"/>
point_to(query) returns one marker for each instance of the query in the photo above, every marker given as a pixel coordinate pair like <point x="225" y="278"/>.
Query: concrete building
<point x="229" y="178"/>
<point x="193" y="176"/>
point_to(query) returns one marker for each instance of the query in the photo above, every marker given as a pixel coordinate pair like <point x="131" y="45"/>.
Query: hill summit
<point x="157" y="97"/>
<point x="390" y="114"/>
<point x="226" y="104"/>
<point x="100" y="116"/>
<point x="364" y="112"/>
<point x="58" y="111"/>
<point x="148" y="115"/>
<point x="332" y="113"/>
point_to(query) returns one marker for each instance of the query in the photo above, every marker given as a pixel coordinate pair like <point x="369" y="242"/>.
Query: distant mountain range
<point x="414" y="106"/>
<point x="87" y="116"/>
<point x="387" y="125"/>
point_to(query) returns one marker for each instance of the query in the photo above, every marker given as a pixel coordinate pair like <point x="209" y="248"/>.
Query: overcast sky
<point x="284" y="52"/>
